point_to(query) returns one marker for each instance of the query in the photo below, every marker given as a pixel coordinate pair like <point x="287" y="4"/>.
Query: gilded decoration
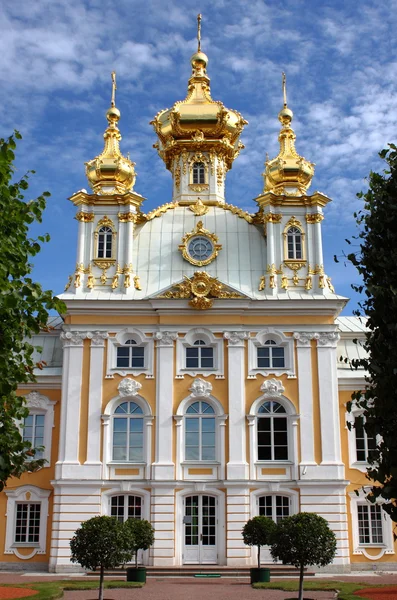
<point x="262" y="283"/>
<point x="69" y="282"/>
<point x="293" y="222"/>
<point x="160" y="210"/>
<point x="199" y="231"/>
<point x="127" y="275"/>
<point x="85" y="217"/>
<point x="329" y="283"/>
<point x="128" y="217"/>
<point x="314" y="218"/>
<point x="137" y="283"/>
<point x="116" y="277"/>
<point x="271" y="217"/>
<point x="177" y="177"/>
<point x="104" y="264"/>
<point x="110" y="172"/>
<point x="90" y="278"/>
<point x="198" y="187"/>
<point x="201" y="289"/>
<point x="199" y="208"/>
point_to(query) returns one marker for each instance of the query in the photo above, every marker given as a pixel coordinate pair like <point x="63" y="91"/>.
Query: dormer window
<point x="200" y="356"/>
<point x="198" y="172"/>
<point x="105" y="238"/>
<point x="271" y="356"/>
<point x="294" y="244"/>
<point x="130" y="355"/>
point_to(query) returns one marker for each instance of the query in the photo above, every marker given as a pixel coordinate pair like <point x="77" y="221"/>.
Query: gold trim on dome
<point x="203" y="288"/>
<point x="160" y="210"/>
<point x="200" y="231"/>
<point x="85" y="217"/>
<point x="314" y="218"/>
<point x="199" y="208"/>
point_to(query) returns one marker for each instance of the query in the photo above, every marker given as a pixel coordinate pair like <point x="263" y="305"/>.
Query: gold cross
<point x="114" y="88"/>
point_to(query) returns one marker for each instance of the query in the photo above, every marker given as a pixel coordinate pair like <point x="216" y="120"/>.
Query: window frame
<point x="142" y="340"/>
<point x="26" y="494"/>
<point x="199" y="171"/>
<point x="282" y="341"/>
<point x="104" y="236"/>
<point x="40" y="405"/>
<point x="130" y="416"/>
<point x="187" y="341"/>
<point x="200" y="417"/>
<point x="360" y="465"/>
<point x="273" y="417"/>
<point x="387" y="544"/>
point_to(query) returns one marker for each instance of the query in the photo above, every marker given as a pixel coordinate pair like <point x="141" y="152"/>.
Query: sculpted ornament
<point x="129" y="387"/>
<point x="201" y="388"/>
<point x="236" y="338"/>
<point x="73" y="338"/>
<point x="303" y="338"/>
<point x="327" y="340"/>
<point x="165" y="338"/>
<point x="272" y="388"/>
<point x="35" y="400"/>
<point x="97" y="337"/>
<point x="203" y="288"/>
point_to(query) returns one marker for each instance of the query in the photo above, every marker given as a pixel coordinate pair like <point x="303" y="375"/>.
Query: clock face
<point x="200" y="248"/>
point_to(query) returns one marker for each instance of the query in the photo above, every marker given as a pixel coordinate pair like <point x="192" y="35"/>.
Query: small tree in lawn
<point x="259" y="531"/>
<point x="303" y="540"/>
<point x="141" y="535"/>
<point x="101" y="542"/>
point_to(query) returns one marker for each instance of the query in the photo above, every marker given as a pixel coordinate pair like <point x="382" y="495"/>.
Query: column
<point x="70" y="404"/>
<point x="163" y="467"/>
<point x="329" y="405"/>
<point x="305" y="387"/>
<point x="97" y="351"/>
<point x="237" y="467"/>
<point x="238" y="513"/>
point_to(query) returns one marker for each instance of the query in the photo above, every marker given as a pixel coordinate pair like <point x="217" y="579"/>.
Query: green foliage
<point x="142" y="535"/>
<point x="258" y="531"/>
<point x="101" y="542"/>
<point x="24" y="307"/>
<point x="376" y="262"/>
<point x="303" y="540"/>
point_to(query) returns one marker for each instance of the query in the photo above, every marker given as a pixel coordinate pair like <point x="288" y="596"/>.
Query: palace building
<point x="195" y="379"/>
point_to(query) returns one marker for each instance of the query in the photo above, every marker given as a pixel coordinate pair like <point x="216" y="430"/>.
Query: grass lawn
<point x="346" y="589"/>
<point x="54" y="589"/>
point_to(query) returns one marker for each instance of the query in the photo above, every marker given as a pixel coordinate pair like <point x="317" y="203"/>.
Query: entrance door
<point x="276" y="508"/>
<point x="199" y="524"/>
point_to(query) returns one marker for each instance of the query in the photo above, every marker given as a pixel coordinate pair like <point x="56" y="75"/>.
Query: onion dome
<point x="198" y="119"/>
<point x="110" y="172"/>
<point x="289" y="173"/>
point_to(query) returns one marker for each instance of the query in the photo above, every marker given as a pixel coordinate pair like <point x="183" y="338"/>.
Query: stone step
<point x="192" y="570"/>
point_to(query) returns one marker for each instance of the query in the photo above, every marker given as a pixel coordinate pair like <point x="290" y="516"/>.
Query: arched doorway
<point x="200" y="529"/>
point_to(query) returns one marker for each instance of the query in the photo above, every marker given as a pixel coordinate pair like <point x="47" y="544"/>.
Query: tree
<point x="258" y="531"/>
<point x="303" y="540"/>
<point x="102" y="542"/>
<point x="24" y="307"/>
<point x="376" y="262"/>
<point x="142" y="535"/>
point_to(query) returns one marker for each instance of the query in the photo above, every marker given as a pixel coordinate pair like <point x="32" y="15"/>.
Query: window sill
<point x="276" y="463"/>
<point x="126" y="463"/>
<point x="207" y="463"/>
<point x="25" y="545"/>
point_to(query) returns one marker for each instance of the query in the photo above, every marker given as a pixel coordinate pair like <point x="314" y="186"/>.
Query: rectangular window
<point x="370" y="524"/>
<point x="364" y="443"/>
<point x="263" y="358"/>
<point x="27" y="523"/>
<point x="192" y="358"/>
<point x="33" y="432"/>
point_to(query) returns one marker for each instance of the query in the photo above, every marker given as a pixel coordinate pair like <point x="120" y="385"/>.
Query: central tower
<point x="198" y="138"/>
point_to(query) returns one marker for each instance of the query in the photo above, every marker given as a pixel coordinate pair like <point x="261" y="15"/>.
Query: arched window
<point x="128" y="443"/>
<point x="125" y="507"/>
<point x="198" y="172"/>
<point x="272" y="431"/>
<point x="105" y="239"/>
<point x="274" y="506"/>
<point x="294" y="243"/>
<point x="200" y="432"/>
<point x="199" y="356"/>
<point x="271" y="356"/>
<point x="130" y="355"/>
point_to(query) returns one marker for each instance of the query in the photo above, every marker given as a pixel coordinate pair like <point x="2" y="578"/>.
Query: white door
<point x="199" y="530"/>
<point x="277" y="508"/>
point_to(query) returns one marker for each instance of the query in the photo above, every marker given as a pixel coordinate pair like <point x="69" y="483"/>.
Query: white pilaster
<point x="163" y="467"/>
<point x="305" y="387"/>
<point x="238" y="513"/>
<point x="97" y="351"/>
<point x="237" y="467"/>
<point x="331" y="462"/>
<point x="70" y="403"/>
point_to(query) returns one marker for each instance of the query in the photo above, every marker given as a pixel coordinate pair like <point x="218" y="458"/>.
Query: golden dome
<point x="288" y="173"/>
<point x="110" y="172"/>
<point x="198" y="119"/>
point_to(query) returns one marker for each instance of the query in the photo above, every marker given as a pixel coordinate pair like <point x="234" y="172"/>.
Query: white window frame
<point x="281" y="340"/>
<point x="38" y="404"/>
<point x="187" y="341"/>
<point x="26" y="494"/>
<point x="350" y="418"/>
<point x="108" y="435"/>
<point x="387" y="546"/>
<point x="271" y="489"/>
<point x="119" y="340"/>
<point x="105" y="235"/>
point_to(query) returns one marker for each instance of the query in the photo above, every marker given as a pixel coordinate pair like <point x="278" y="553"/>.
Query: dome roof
<point x="198" y="119"/>
<point x="110" y="172"/>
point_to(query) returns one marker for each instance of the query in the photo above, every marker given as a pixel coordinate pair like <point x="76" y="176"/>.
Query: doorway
<point x="200" y="530"/>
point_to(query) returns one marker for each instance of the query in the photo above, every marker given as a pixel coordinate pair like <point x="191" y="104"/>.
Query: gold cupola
<point x="289" y="173"/>
<point x="110" y="172"/>
<point x="198" y="121"/>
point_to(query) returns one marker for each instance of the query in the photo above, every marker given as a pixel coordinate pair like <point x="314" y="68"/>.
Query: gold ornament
<point x="284" y="282"/>
<point x="331" y="287"/>
<point x="137" y="282"/>
<point x="203" y="288"/>
<point x="69" y="282"/>
<point x="309" y="282"/>
<point x="128" y="217"/>
<point x="199" y="231"/>
<point x="272" y="217"/>
<point x="198" y="208"/>
<point x="85" y="217"/>
<point x="262" y="283"/>
<point x="177" y="177"/>
<point x="198" y="187"/>
<point x="315" y="218"/>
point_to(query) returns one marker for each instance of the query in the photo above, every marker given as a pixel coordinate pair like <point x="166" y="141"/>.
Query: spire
<point x="288" y="173"/>
<point x="199" y="33"/>
<point x="110" y="172"/>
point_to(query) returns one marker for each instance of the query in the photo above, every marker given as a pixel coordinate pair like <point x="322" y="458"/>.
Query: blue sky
<point x="56" y="59"/>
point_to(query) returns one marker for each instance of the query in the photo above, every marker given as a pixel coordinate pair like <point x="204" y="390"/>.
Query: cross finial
<point x="114" y="88"/>
<point x="199" y="32"/>
<point x="284" y="89"/>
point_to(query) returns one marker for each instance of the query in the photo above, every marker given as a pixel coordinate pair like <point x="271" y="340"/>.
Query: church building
<point x="195" y="379"/>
